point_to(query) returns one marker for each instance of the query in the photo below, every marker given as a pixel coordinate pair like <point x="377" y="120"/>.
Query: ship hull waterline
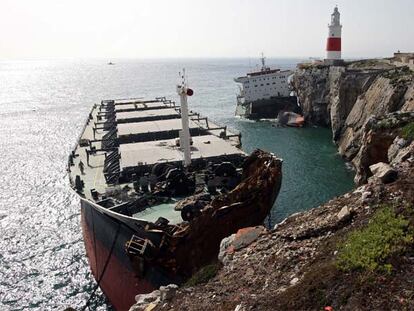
<point x="106" y="233"/>
<point x="119" y="281"/>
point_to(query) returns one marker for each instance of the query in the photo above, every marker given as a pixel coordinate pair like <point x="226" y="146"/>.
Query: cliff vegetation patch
<point x="203" y="275"/>
<point x="366" y="63"/>
<point x="408" y="131"/>
<point x="370" y="247"/>
<point x="399" y="76"/>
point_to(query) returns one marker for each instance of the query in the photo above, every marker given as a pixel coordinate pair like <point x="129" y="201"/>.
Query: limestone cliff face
<point x="380" y="98"/>
<point x="344" y="89"/>
<point x="377" y="137"/>
<point x="345" y="98"/>
<point x="312" y="88"/>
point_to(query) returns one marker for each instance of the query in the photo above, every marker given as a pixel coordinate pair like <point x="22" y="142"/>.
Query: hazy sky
<point x="200" y="28"/>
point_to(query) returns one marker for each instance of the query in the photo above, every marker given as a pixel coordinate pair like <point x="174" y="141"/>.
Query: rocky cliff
<point x="355" y="252"/>
<point x="346" y="97"/>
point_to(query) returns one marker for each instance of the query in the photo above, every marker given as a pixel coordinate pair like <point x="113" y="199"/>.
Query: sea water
<point x="43" y="105"/>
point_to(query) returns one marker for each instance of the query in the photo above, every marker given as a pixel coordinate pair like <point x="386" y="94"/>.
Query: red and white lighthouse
<point x="333" y="45"/>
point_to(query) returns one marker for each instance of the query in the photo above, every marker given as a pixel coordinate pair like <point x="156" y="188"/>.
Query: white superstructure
<point x="263" y="84"/>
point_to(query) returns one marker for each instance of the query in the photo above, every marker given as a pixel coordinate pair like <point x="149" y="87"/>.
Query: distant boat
<point x="111" y="63"/>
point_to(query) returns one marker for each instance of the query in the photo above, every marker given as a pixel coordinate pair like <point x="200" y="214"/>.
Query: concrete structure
<point x="403" y="59"/>
<point x="333" y="44"/>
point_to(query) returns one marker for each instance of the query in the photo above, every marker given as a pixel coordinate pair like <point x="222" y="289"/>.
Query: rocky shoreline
<point x="347" y="98"/>
<point x="355" y="252"/>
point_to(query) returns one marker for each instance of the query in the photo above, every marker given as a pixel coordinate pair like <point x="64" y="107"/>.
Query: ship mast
<point x="183" y="91"/>
<point x="264" y="68"/>
<point x="263" y="62"/>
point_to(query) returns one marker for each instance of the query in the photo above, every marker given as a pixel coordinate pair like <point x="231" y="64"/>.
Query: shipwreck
<point x="160" y="187"/>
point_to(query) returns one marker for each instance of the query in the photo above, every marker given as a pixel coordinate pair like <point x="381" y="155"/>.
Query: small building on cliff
<point x="403" y="59"/>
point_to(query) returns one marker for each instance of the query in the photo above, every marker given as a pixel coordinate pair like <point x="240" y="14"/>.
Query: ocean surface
<point x="43" y="105"/>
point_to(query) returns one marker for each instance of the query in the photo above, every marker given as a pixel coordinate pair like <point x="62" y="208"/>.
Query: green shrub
<point x="203" y="275"/>
<point x="369" y="247"/>
<point x="408" y="131"/>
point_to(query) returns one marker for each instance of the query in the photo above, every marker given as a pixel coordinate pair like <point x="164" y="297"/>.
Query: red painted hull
<point x="119" y="282"/>
<point x="193" y="246"/>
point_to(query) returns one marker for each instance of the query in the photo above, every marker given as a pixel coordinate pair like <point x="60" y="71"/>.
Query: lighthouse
<point x="333" y="45"/>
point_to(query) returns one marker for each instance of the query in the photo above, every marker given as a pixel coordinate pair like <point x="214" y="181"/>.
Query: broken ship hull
<point x="120" y="276"/>
<point x="266" y="108"/>
<point x="113" y="168"/>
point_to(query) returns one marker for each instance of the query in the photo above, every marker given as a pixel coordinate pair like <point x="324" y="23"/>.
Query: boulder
<point x="344" y="214"/>
<point x="366" y="197"/>
<point x="237" y="241"/>
<point x="403" y="154"/>
<point x="246" y="236"/>
<point x="384" y="172"/>
<point x="147" y="298"/>
<point x="224" y="245"/>
<point x="168" y="292"/>
<point x="146" y="302"/>
<point x="396" y="146"/>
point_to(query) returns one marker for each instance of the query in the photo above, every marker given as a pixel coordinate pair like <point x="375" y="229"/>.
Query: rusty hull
<point x="197" y="242"/>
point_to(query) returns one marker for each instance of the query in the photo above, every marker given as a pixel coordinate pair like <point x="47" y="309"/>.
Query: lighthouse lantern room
<point x="333" y="45"/>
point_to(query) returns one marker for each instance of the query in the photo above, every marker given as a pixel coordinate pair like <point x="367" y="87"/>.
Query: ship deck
<point x="151" y="152"/>
<point x="139" y="115"/>
<point x="137" y="128"/>
<point x="107" y="125"/>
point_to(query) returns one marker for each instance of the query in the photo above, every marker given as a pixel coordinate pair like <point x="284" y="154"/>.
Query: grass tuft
<point x="203" y="275"/>
<point x="408" y="131"/>
<point x="368" y="248"/>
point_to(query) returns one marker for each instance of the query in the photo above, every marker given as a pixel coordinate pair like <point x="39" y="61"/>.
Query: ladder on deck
<point x="136" y="246"/>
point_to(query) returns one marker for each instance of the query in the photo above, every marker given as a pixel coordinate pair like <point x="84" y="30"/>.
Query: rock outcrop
<point x="348" y="98"/>
<point x="292" y="267"/>
<point x="296" y="266"/>
<point x="378" y="134"/>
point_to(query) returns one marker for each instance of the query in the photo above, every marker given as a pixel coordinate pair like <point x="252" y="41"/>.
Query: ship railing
<point x="137" y="100"/>
<point x="212" y="125"/>
<point x="86" y="123"/>
<point x="110" y="103"/>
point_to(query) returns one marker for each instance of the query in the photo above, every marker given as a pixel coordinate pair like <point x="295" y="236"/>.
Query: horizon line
<point x="309" y="57"/>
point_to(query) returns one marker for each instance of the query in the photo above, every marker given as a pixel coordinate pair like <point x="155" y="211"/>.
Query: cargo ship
<point x="160" y="186"/>
<point x="264" y="93"/>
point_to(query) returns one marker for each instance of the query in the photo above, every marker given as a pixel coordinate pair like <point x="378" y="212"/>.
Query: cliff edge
<point x="355" y="252"/>
<point x="347" y="97"/>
